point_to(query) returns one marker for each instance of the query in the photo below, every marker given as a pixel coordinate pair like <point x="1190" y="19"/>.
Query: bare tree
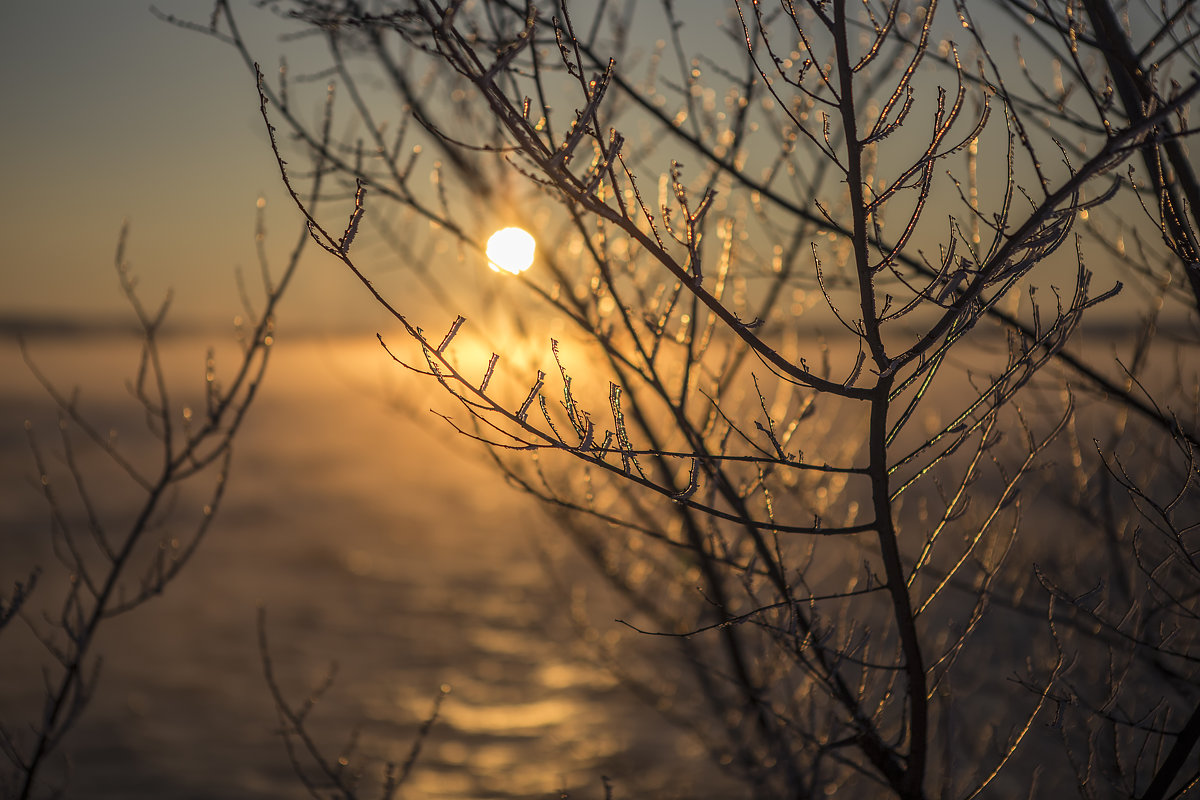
<point x="802" y="366"/>
<point x="1146" y="54"/>
<point x="111" y="562"/>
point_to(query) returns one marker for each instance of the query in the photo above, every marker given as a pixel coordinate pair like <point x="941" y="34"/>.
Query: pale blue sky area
<point x="110" y="113"/>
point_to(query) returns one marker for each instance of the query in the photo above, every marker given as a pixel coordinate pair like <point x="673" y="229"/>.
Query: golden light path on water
<point x="510" y="250"/>
<point x="443" y="582"/>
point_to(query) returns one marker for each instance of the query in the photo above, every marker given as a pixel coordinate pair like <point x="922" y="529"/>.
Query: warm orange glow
<point x="511" y="250"/>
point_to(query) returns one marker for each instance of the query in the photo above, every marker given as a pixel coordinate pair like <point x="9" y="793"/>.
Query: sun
<point x="511" y="250"/>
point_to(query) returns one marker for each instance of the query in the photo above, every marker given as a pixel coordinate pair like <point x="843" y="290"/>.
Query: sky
<point x="110" y="114"/>
<point x="113" y="115"/>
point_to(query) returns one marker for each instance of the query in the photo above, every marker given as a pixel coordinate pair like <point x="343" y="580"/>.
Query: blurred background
<point x="368" y="534"/>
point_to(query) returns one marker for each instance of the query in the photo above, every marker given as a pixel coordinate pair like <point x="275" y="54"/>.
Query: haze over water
<point x="368" y="541"/>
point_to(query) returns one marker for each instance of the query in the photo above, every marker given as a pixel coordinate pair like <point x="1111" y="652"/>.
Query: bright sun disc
<point x="511" y="250"/>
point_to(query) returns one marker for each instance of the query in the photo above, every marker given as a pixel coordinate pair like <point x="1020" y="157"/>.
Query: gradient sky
<point x="111" y="114"/>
